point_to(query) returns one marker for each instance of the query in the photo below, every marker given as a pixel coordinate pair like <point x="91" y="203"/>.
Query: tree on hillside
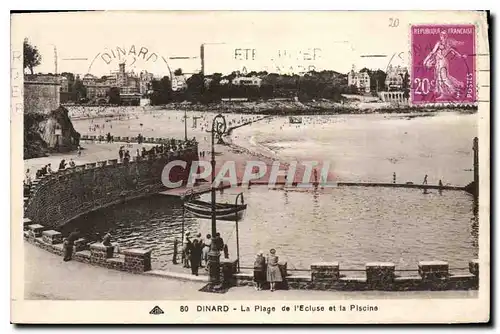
<point x="162" y="91"/>
<point x="79" y="90"/>
<point x="178" y="71"/>
<point x="32" y="57"/>
<point x="195" y="85"/>
<point x="377" y="81"/>
<point x="406" y="85"/>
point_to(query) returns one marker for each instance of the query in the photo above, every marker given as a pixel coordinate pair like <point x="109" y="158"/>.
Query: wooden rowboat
<point x="223" y="211"/>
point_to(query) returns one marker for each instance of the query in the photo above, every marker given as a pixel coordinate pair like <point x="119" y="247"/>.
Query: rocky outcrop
<point x="51" y="132"/>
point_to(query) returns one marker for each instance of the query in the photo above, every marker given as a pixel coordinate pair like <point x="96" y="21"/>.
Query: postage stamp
<point x="230" y="171"/>
<point x="443" y="64"/>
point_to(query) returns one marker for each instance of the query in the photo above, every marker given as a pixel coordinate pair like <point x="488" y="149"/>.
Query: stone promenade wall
<point x="432" y="275"/>
<point x="62" y="196"/>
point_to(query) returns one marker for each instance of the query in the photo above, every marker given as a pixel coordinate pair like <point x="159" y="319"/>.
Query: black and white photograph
<point x="250" y="167"/>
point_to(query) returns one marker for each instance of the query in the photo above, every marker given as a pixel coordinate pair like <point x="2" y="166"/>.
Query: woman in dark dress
<point x="259" y="271"/>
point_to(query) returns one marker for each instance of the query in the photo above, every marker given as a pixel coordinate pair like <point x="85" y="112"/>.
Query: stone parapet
<point x="325" y="272"/>
<point x="99" y="253"/>
<point x="52" y="237"/>
<point x="474" y="267"/>
<point x="35" y="230"/>
<point x="137" y="260"/>
<point x="228" y="268"/>
<point x="380" y="274"/>
<point x="433" y="269"/>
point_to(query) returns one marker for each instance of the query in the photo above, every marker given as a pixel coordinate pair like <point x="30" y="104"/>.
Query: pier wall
<point x="62" y="196"/>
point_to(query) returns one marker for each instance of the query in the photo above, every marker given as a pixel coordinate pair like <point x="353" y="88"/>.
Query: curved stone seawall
<point x="62" y="196"/>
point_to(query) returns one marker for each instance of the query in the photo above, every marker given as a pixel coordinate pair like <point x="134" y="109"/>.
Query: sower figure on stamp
<point x="446" y="85"/>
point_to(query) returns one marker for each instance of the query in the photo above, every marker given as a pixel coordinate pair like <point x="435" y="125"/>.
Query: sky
<point x="280" y="42"/>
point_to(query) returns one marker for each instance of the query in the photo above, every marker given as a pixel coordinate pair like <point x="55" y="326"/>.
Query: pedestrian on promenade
<point x="120" y="153"/>
<point x="49" y="169"/>
<point x="106" y="241"/>
<point x="62" y="164"/>
<point x="68" y="244"/>
<point x="273" y="270"/>
<point x="425" y="179"/>
<point x="206" y="249"/>
<point x="218" y="242"/>
<point x="27" y="178"/>
<point x="186" y="246"/>
<point x="79" y="151"/>
<point x="174" y="257"/>
<point x="201" y="245"/>
<point x="71" y="163"/>
<point x="226" y="251"/>
<point x="195" y="256"/>
<point x="259" y="271"/>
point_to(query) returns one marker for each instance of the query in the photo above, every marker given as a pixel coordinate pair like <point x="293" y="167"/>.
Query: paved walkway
<point x="48" y="277"/>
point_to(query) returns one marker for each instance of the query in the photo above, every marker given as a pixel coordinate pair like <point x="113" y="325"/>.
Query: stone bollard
<point x="112" y="162"/>
<point x="99" y="253"/>
<point x="137" y="260"/>
<point x="228" y="268"/>
<point x="81" y="244"/>
<point x="80" y="168"/>
<point x="380" y="274"/>
<point x="51" y="237"/>
<point x="35" y="230"/>
<point x="325" y="272"/>
<point x="101" y="163"/>
<point x="474" y="267"/>
<point x="283" y="266"/>
<point x="430" y="270"/>
<point x="90" y="165"/>
<point x="27" y="222"/>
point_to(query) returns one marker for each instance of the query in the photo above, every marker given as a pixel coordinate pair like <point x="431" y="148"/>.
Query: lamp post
<point x="218" y="127"/>
<point x="240" y="195"/>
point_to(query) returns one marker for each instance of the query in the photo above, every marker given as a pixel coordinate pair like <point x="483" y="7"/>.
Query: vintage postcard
<point x="250" y="167"/>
